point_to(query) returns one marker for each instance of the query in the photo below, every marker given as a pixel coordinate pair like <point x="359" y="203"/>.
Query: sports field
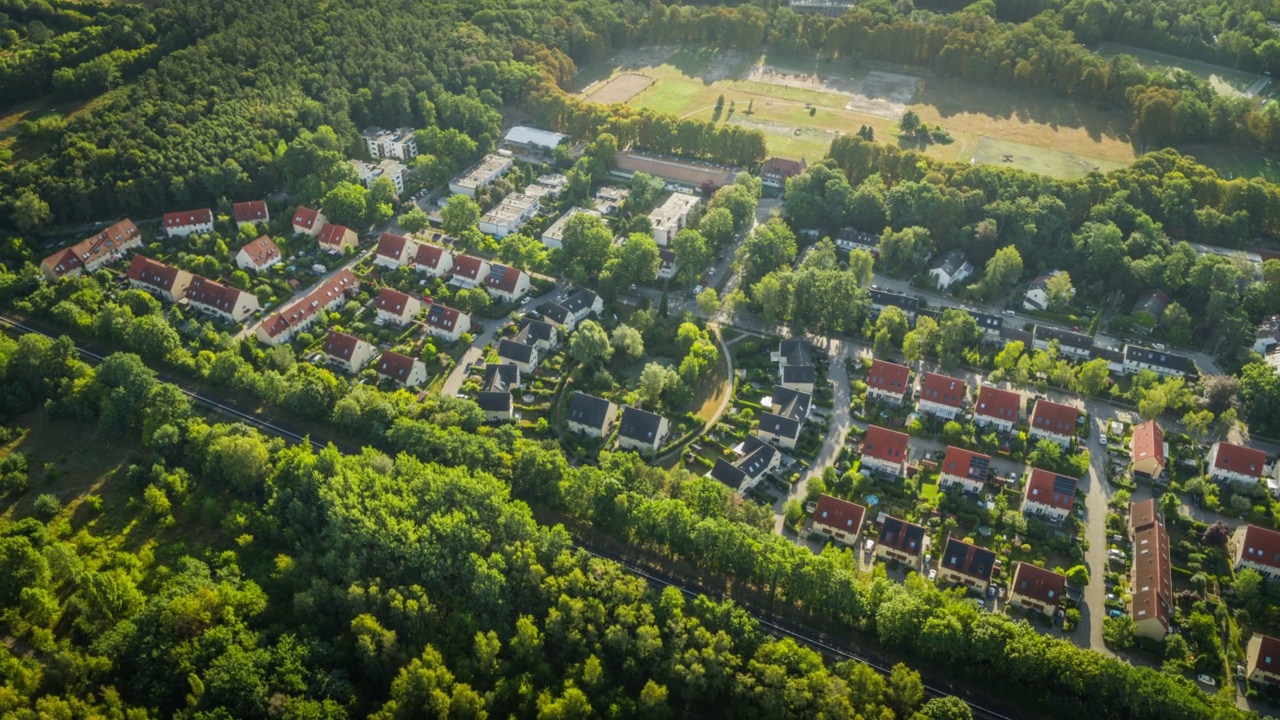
<point x="801" y="104"/>
<point x="1225" y="81"/>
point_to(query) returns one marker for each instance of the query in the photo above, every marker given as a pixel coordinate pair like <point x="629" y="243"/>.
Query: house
<point x="308" y="222"/>
<point x="968" y="565"/>
<point x="888" y="382"/>
<point x="788" y="409"/>
<point x="401" y="143"/>
<point x="1147" y="450"/>
<point x="1150" y="578"/>
<point x="1049" y="494"/>
<point x="996" y="407"/>
<point x="92" y="253"/>
<point x="667" y="267"/>
<point x="609" y="199"/>
<point x="1071" y="345"/>
<point x="671" y="217"/>
<point x="510" y="215"/>
<point x="224" y="301"/>
<point x="583" y="303"/>
<point x="1153" y="303"/>
<point x="525" y="357"/>
<point x="347" y="352"/>
<point x="881" y="299"/>
<point x="885" y="451"/>
<point x="259" y="255"/>
<point x="553" y="237"/>
<point x="446" y="323"/>
<point x="756" y="458"/>
<point x="795" y="365"/>
<point x="1267" y="335"/>
<point x="541" y="335"/>
<point x="251" y="212"/>
<point x="794" y="352"/>
<point x="1262" y="660"/>
<point x="1037" y="297"/>
<point x="775" y="171"/>
<point x="469" y="271"/>
<point x="1037" y="589"/>
<point x="336" y="239"/>
<point x="838" y="519"/>
<point x="547" y="187"/>
<point x="396" y="307"/>
<point x="496" y="399"/>
<point x="1236" y="463"/>
<point x="951" y="268"/>
<point x="850" y="239"/>
<point x="641" y="430"/>
<point x="394" y="251"/>
<point x="527" y="347"/>
<point x="284" y="325"/>
<point x="590" y="415"/>
<point x="1114" y="358"/>
<point x="368" y="173"/>
<point x="406" y="371"/>
<point x="902" y="541"/>
<point x="1257" y="548"/>
<point x="1164" y="364"/>
<point x="481" y="175"/>
<point x="167" y="282"/>
<point x="990" y="325"/>
<point x="1054" y="421"/>
<point x="186" y="222"/>
<point x="532" y="141"/>
<point x="557" y="314"/>
<point x="941" y="395"/>
<point x="964" y="469"/>
<point x="432" y="260"/>
<point x="678" y="174"/>
<point x="506" y="284"/>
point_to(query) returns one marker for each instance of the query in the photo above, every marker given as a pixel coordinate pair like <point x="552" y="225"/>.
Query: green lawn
<point x="1237" y="163"/>
<point x="1225" y="81"/>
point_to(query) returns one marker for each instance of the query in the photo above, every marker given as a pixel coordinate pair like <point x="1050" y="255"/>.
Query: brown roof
<point x="429" y="256"/>
<point x="1260" y="545"/>
<point x="996" y="403"/>
<point x="392" y="301"/>
<point x="1268" y="659"/>
<point x="395" y="365"/>
<point x="332" y="235"/>
<point x="305" y="217"/>
<point x="884" y="444"/>
<point x="261" y="251"/>
<point x="391" y="245"/>
<point x="1143" y="513"/>
<point x="782" y="167"/>
<point x="92" y="248"/>
<point x="318" y="299"/>
<point x="840" y="514"/>
<point x="942" y="390"/>
<point x="961" y="462"/>
<point x="443" y="317"/>
<point x="158" y="275"/>
<point x="249" y="211"/>
<point x="502" y="278"/>
<point x="188" y="217"/>
<point x="1147" y="441"/>
<point x="1039" y="584"/>
<point x="467" y="266"/>
<point x="1240" y="459"/>
<point x="1151" y="583"/>
<point x="204" y="291"/>
<point x="888" y="377"/>
<point x="340" y="345"/>
<point x="1046" y="488"/>
<point x="1054" y="417"/>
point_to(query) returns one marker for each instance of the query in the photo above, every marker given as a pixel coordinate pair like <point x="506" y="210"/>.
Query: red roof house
<point x="1054" y="421"/>
<point x="1000" y="408"/>
<point x="941" y="395"/>
<point x="181" y="224"/>
<point x="168" y="282"/>
<point x="250" y="212"/>
<point x="1049" y="494"/>
<point x="308" y="222"/>
<point x="838" y="519"/>
<point x="887" y="382"/>
<point x="1146" y="449"/>
<point x="885" y="450"/>
<point x="258" y="255"/>
<point x="1236" y="463"/>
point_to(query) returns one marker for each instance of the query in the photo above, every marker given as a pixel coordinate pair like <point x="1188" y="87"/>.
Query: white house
<point x="1037" y="297"/>
<point x="953" y="267"/>
<point x="1160" y="362"/>
<point x="590" y="415"/>
<point x="347" y="352"/>
<point x="224" y="301"/>
<point x="997" y="408"/>
<point x="469" y="271"/>
<point x="1071" y="345"/>
<point x="532" y="141"/>
<point x="941" y="395"/>
<point x="407" y="371"/>
<point x="481" y="175"/>
<point x="1054" y="421"/>
<point x="1257" y="548"/>
<point x="432" y="260"/>
<point x="396" y="307"/>
<point x="671" y="217"/>
<point x="186" y="222"/>
<point x="368" y="173"/>
<point x="259" y="255"/>
<point x="394" y="251"/>
<point x="308" y="222"/>
<point x="335" y="239"/>
<point x="506" y="284"/>
<point x="888" y="382"/>
<point x="553" y="238"/>
<point x="1048" y="494"/>
<point x="165" y="281"/>
<point x="400" y="143"/>
<point x="250" y="212"/>
<point x="446" y="323"/>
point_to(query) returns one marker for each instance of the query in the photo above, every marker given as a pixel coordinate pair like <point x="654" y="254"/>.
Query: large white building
<point x="369" y="172"/>
<point x="670" y="217"/>
<point x="400" y="143"/>
<point x="509" y="215"/>
<point x="480" y="176"/>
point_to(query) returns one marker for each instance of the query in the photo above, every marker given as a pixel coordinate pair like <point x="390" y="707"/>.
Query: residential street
<point x="248" y="330"/>
<point x="458" y="375"/>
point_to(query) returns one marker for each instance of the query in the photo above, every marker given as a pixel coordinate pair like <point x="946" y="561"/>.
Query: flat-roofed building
<point x="481" y="175"/>
<point x="510" y="215"/>
<point x="671" y="217"/>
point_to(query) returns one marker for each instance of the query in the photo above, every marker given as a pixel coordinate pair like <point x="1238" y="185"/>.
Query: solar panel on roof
<point x="1064" y="485"/>
<point x="978" y="466"/>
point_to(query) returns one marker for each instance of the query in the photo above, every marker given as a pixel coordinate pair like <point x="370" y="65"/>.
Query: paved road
<point x="458" y="375"/>
<point x="250" y="329"/>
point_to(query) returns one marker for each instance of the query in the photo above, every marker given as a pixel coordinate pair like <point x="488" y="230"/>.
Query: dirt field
<point x="620" y="88"/>
<point x="879" y="93"/>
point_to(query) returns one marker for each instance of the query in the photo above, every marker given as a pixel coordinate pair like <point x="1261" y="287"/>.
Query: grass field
<point x="1237" y="163"/>
<point x="1225" y="81"/>
<point x="1039" y="133"/>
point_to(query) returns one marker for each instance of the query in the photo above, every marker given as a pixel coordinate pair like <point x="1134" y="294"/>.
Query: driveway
<point x="458" y="375"/>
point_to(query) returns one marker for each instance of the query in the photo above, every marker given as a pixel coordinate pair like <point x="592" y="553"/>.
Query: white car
<point x="1206" y="680"/>
<point x="698" y="290"/>
<point x="933" y="573"/>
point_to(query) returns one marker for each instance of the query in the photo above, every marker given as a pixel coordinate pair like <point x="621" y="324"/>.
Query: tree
<point x="946" y="708"/>
<point x="1170" y="506"/>
<point x="739" y="201"/>
<point x="30" y="211"/>
<point x="242" y="461"/>
<point x="708" y="302"/>
<point x="347" y="204"/>
<point x="1091" y="377"/>
<point x="1119" y="632"/>
<point x="1003" y="270"/>
<point x="909" y="122"/>
<point x="957" y="333"/>
<point x="692" y="255"/>
<point x="382" y="200"/>
<point x="414" y="221"/>
<point x="1216" y="535"/>
<point x="793" y="513"/>
<point x="920" y="340"/>
<point x="906" y="249"/>
<point x="770" y="246"/>
<point x="587" y="244"/>
<point x="904" y="691"/>
<point x="1078" y="576"/>
<point x="893" y="321"/>
<point x="653" y="380"/>
<point x="459" y="214"/>
<point x="589" y="344"/>
<point x="637" y="261"/>
<point x="1059" y="290"/>
<point x="628" y="341"/>
<point x="716" y="226"/>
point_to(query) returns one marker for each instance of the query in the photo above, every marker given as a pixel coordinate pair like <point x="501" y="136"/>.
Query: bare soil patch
<point x="879" y="93"/>
<point x="620" y="88"/>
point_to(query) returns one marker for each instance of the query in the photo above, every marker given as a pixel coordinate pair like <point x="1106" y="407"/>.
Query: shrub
<point x="47" y="505"/>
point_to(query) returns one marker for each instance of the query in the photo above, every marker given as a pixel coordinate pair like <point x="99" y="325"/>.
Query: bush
<point x="47" y="505"/>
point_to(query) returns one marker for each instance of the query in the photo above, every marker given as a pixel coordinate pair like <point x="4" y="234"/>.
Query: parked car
<point x="933" y="573"/>
<point x="1115" y="613"/>
<point x="1202" y="678"/>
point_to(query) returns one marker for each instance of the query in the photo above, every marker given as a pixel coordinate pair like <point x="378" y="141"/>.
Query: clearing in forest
<point x="1225" y="81"/>
<point x="802" y="104"/>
